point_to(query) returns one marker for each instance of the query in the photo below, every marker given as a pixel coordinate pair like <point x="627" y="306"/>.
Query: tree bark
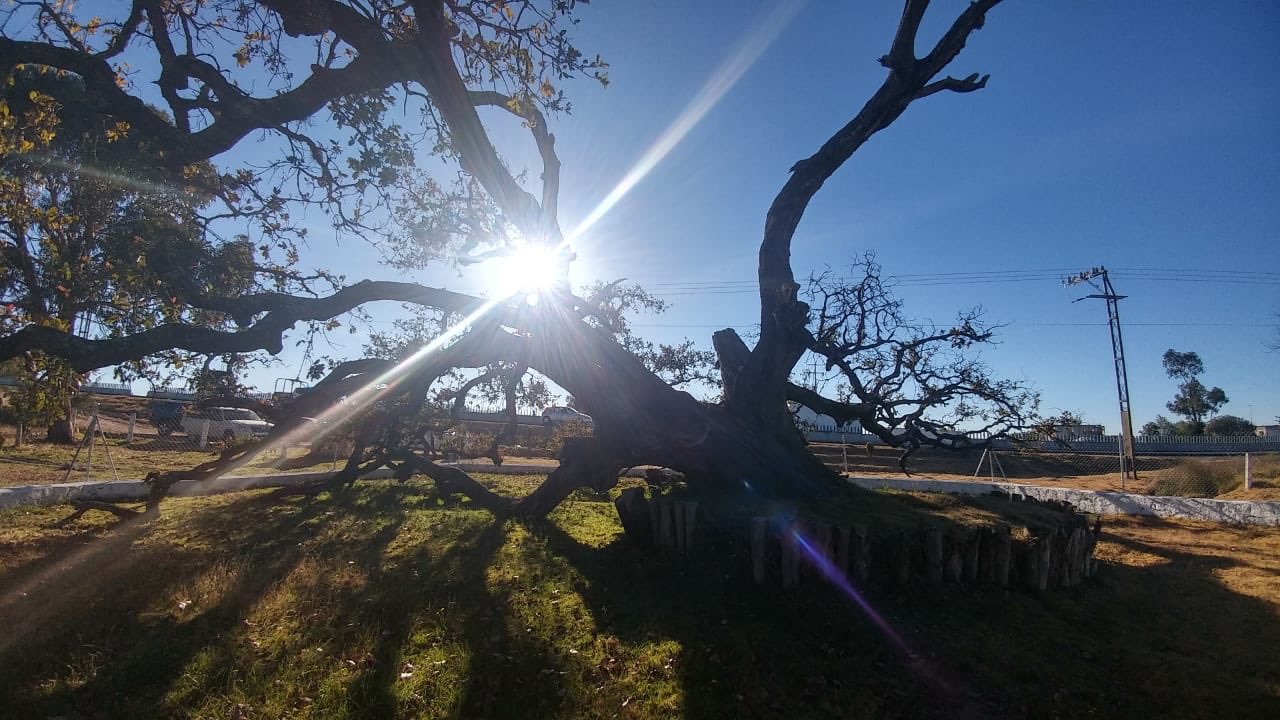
<point x="61" y="432"/>
<point x="640" y="420"/>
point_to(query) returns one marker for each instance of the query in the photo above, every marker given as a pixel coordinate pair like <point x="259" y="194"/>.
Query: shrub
<point x="1198" y="478"/>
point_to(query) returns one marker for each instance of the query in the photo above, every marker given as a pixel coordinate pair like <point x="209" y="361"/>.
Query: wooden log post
<point x="986" y="555"/>
<point x="633" y="511"/>
<point x="759" y="528"/>
<point x="933" y="555"/>
<point x="133" y="421"/>
<point x="1075" y="557"/>
<point x="1027" y="564"/>
<point x="821" y="537"/>
<point x="953" y="558"/>
<point x="1003" y="551"/>
<point x="860" y="551"/>
<point x="790" y="558"/>
<point x="690" y="522"/>
<point x="666" y="524"/>
<point x="900" y="560"/>
<point x="655" y="517"/>
<point x="1091" y="543"/>
<point x="1061" y="563"/>
<point x="1042" y="552"/>
<point x="971" y="547"/>
<point x="842" y="551"/>
<point x="678" y="526"/>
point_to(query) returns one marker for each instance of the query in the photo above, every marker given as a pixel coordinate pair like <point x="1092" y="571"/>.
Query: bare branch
<point x="969" y="84"/>
<point x="782" y="315"/>
<point x="902" y="54"/>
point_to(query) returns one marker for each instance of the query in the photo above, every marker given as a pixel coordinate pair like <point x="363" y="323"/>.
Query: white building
<point x="1270" y="432"/>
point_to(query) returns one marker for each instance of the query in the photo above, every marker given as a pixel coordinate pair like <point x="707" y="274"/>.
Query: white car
<point x="226" y="423"/>
<point x="559" y="415"/>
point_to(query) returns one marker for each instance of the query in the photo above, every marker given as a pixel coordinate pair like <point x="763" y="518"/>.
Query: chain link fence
<point x="1238" y="474"/>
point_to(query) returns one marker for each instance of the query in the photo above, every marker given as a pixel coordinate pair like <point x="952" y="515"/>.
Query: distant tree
<point x="1164" y="426"/>
<point x="1066" y="418"/>
<point x="1229" y="425"/>
<point x="1194" y="401"/>
<point x="1160" y="426"/>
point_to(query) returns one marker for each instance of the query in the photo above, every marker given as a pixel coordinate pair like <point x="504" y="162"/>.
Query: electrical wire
<point x="990" y="277"/>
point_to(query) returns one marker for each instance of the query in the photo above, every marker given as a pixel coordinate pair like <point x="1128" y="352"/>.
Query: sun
<point x="528" y="269"/>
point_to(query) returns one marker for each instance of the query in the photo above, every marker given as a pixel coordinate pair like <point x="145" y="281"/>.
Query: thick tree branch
<point x="841" y="412"/>
<point x="902" y="54"/>
<point x="546" y="143"/>
<point x="782" y="315"/>
<point x="455" y="480"/>
<point x="282" y="312"/>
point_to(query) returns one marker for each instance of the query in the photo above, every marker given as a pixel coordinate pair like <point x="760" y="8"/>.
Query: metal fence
<point x="1224" y="474"/>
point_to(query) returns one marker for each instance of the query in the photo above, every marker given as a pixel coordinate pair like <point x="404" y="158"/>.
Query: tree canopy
<point x="1229" y="425"/>
<point x="97" y="239"/>
<point x="374" y="109"/>
<point x="1194" y="401"/>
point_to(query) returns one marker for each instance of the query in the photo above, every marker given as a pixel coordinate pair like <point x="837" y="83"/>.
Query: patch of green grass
<point x="392" y="601"/>
<point x="43" y="463"/>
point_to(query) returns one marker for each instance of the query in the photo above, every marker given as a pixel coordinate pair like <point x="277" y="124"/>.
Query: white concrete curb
<point x="1242" y="512"/>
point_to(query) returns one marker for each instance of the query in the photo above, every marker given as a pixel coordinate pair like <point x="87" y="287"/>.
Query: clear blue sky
<point x="1132" y="135"/>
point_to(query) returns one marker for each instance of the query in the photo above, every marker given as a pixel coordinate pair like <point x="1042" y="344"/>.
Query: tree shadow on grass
<point x="1167" y="641"/>
<point x="748" y="651"/>
<point x="415" y="605"/>
<point x="364" y="588"/>
<point x="109" y="633"/>
<point x="479" y="663"/>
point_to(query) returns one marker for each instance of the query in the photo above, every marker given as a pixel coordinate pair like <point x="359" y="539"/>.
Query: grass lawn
<point x="391" y="602"/>
<point x="44" y="463"/>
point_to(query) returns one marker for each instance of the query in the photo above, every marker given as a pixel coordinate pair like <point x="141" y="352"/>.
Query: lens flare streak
<point x="836" y="577"/>
<point x="761" y="36"/>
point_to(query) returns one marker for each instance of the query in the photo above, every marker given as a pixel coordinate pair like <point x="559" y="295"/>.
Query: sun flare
<point x="528" y="269"/>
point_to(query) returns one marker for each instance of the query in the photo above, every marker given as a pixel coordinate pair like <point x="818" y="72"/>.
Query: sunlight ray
<point x="752" y="46"/>
<point x="96" y="173"/>
<point x="384" y="383"/>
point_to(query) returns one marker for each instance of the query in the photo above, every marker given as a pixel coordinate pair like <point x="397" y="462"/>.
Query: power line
<point x="989" y="277"/>
<point x="1012" y="324"/>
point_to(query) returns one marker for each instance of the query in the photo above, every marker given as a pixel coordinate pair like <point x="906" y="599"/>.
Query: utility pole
<point x="1128" y="467"/>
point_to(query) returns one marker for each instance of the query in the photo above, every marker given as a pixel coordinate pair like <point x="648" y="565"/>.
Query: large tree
<point x="382" y="82"/>
<point x="97" y="240"/>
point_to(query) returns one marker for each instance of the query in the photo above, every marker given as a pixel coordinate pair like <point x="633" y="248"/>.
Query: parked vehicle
<point x="226" y="423"/>
<point x="166" y="415"/>
<point x="560" y="415"/>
